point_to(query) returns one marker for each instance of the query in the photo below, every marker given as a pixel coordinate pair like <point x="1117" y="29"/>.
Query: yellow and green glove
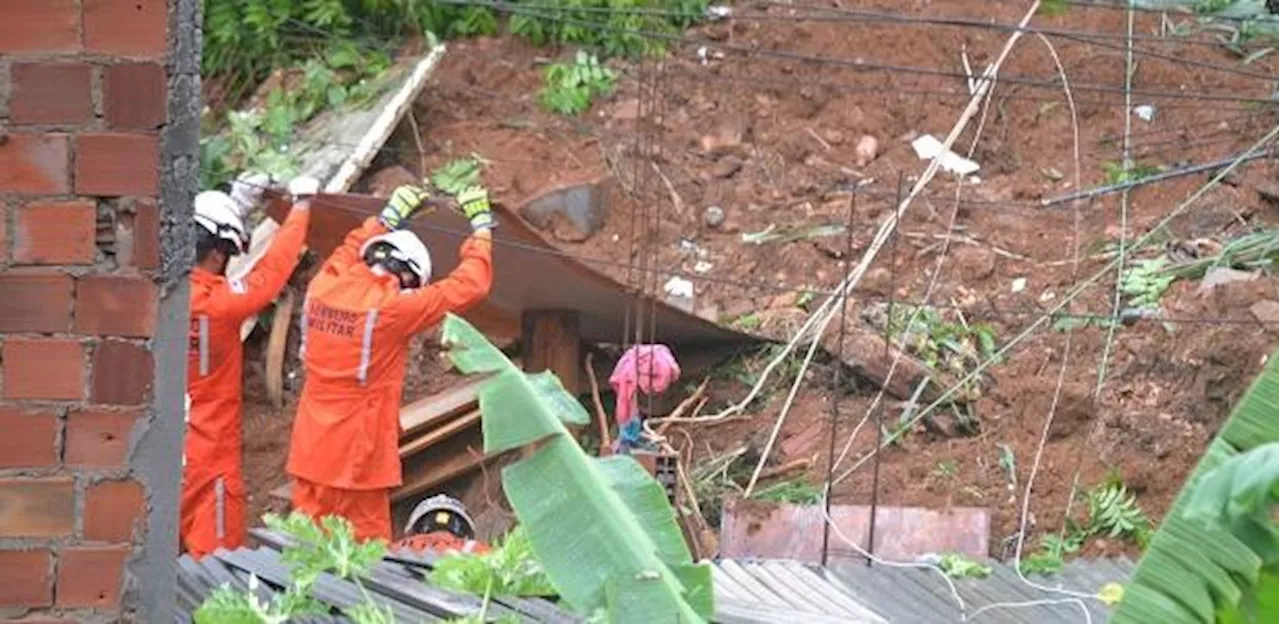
<point x="406" y="201"/>
<point x="474" y="201"/>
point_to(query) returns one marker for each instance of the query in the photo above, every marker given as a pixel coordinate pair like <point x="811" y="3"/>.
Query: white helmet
<point x="406" y="247"/>
<point x="219" y="215"/>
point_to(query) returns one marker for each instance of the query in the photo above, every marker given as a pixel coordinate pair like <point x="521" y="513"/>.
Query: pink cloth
<point x="648" y="368"/>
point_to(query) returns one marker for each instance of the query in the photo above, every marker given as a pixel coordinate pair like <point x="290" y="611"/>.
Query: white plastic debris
<point x="678" y="287"/>
<point x="927" y="148"/>
<point x="1145" y="112"/>
<point x="679" y="293"/>
<point x="719" y="11"/>
<point x="1019" y="284"/>
<point x="702" y="54"/>
<point x="701" y="266"/>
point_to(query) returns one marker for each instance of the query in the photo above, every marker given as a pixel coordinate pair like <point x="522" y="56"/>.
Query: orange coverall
<point x="213" y="492"/>
<point x="344" y="455"/>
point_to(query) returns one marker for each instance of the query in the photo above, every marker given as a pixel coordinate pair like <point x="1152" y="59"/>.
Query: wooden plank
<point x="280" y="322"/>
<point x="551" y="342"/>
<point x="371" y="143"/>
<point x="433" y="437"/>
<point x="456" y="456"/>
<point x="433" y="410"/>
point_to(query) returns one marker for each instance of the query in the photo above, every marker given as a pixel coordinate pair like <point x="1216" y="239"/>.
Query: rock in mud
<point x="727" y="137"/>
<point x="386" y="180"/>
<point x="571" y="212"/>
<point x="726" y="167"/>
<point x="866" y="150"/>
<point x="713" y="216"/>
<point x="627" y="110"/>
<point x="1267" y="312"/>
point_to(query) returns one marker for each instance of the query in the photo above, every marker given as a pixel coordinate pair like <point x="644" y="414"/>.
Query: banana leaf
<point x="1214" y="557"/>
<point x="602" y="529"/>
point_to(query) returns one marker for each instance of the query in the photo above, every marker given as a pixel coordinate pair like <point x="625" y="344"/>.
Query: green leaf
<point x="1218" y="526"/>
<point x="569" y="409"/>
<point x="648" y="501"/>
<point x="596" y="543"/>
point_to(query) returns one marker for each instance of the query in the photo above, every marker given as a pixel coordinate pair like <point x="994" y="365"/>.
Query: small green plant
<point x="1008" y="465"/>
<point x="794" y="492"/>
<point x="510" y="569"/>
<point x="619" y="27"/>
<point x="329" y="548"/>
<point x="947" y="469"/>
<point x="958" y="566"/>
<point x="262" y="139"/>
<point x="953" y="348"/>
<point x="458" y="174"/>
<point x="1146" y="283"/>
<point x="1114" y="512"/>
<point x="1115" y="173"/>
<point x="1051" y="557"/>
<point x="747" y="322"/>
<point x="572" y="87"/>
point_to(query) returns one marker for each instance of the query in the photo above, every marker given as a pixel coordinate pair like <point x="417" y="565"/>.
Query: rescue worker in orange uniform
<point x="363" y="307"/>
<point x="213" y="493"/>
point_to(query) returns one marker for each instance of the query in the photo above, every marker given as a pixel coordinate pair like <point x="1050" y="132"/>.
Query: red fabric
<point x="648" y="368"/>
<point x="368" y="511"/>
<point x="214" y="361"/>
<point x="355" y="343"/>
<point x="441" y="542"/>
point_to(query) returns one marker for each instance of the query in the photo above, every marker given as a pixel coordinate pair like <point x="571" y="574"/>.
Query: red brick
<point x="35" y="302"/>
<point x="39" y="26"/>
<point x="135" y="96"/>
<point x="25" y="579"/>
<point x="146" y="234"/>
<point x="90" y="577"/>
<point x="111" y="509"/>
<point x="35" y="163"/>
<point x="129" y="27"/>
<point x="114" y="164"/>
<point x="50" y="93"/>
<point x="98" y="439"/>
<point x="113" y="305"/>
<point x="4" y="234"/>
<point x="55" y="232"/>
<point x="28" y="439"/>
<point x="43" y="369"/>
<point x="122" y="374"/>
<point x="37" y="507"/>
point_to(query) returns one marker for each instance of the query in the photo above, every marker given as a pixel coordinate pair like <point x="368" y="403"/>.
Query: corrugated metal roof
<point x="746" y="591"/>
<point x="398" y="581"/>
<point x="771" y="591"/>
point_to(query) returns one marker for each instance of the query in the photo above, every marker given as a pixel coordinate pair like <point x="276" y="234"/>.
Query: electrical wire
<point x="1100" y="319"/>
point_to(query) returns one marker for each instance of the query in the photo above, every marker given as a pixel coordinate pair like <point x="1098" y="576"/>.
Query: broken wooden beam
<point x="550" y="341"/>
<point x="281" y="319"/>
<point x="432" y="411"/>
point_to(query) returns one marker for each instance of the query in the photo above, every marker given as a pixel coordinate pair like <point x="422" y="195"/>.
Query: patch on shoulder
<point x="237" y="286"/>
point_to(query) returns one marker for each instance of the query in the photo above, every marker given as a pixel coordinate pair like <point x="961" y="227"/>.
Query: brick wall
<point x="89" y="307"/>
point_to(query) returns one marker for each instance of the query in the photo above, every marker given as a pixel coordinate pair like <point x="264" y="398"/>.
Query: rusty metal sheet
<point x="530" y="274"/>
<point x="755" y="529"/>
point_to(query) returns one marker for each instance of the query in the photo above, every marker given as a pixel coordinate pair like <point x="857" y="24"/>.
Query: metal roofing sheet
<point x="759" y="591"/>
<point x="911" y="595"/>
